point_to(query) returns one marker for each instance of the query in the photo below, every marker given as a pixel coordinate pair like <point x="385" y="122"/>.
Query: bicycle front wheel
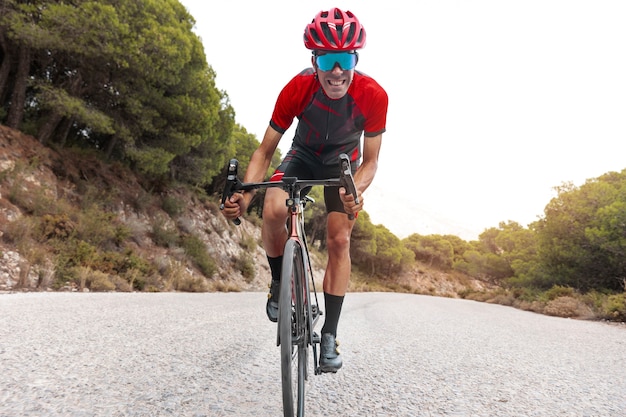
<point x="292" y="330"/>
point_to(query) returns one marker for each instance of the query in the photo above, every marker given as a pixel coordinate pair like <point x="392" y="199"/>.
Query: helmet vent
<point x="328" y="34"/>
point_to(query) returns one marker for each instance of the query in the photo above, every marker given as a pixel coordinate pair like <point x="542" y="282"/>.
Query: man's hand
<point x="235" y="206"/>
<point x="349" y="204"/>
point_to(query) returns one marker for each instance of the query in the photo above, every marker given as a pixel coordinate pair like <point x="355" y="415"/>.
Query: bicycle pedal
<point x="315" y="310"/>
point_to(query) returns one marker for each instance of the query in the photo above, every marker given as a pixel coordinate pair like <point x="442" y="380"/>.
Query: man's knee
<point x="274" y="207"/>
<point x="338" y="240"/>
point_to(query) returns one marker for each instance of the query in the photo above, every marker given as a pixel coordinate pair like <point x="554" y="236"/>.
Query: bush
<point x="567" y="307"/>
<point x="178" y="279"/>
<point x="248" y="243"/>
<point x="615" y="307"/>
<point x="56" y="227"/>
<point x="19" y="232"/>
<point x="225" y="286"/>
<point x="101" y="228"/>
<point x="245" y="264"/>
<point x="192" y="284"/>
<point x="99" y="281"/>
<point x="172" y="206"/>
<point x="196" y="249"/>
<point x="163" y="236"/>
<point x="558" y="291"/>
<point x="84" y="277"/>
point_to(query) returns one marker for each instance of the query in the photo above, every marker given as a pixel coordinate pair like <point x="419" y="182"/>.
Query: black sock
<point x="333" y="305"/>
<point x="276" y="265"/>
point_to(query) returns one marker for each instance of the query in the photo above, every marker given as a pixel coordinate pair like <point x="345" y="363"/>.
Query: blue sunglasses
<point x="346" y="60"/>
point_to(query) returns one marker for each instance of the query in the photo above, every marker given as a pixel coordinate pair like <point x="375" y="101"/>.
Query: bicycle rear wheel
<point x="292" y="330"/>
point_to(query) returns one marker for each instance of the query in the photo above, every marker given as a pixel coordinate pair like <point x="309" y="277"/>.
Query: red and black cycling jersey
<point x="327" y="127"/>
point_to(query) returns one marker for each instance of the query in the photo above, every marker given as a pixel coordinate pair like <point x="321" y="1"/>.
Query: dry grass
<point x="558" y="302"/>
<point x="568" y="307"/>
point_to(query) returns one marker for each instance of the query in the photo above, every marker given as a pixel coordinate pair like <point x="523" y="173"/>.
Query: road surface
<point x="214" y="354"/>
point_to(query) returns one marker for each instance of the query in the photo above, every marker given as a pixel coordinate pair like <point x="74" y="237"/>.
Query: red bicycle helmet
<point x="334" y="30"/>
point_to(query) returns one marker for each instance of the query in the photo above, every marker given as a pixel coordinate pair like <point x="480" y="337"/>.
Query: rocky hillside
<point x="32" y="176"/>
<point x="44" y="191"/>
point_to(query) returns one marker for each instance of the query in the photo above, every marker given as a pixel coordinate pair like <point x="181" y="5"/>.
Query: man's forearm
<point x="365" y="175"/>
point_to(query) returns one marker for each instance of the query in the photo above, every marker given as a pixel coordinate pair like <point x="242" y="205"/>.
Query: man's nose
<point x="337" y="68"/>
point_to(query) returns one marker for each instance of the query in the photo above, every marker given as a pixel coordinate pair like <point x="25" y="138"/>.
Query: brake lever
<point x="232" y="184"/>
<point x="347" y="180"/>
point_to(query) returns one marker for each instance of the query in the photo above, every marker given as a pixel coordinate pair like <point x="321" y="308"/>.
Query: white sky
<point x="492" y="103"/>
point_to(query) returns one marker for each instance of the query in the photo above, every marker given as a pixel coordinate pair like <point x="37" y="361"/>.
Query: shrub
<point x="142" y="201"/>
<point x="136" y="231"/>
<point x="245" y="264"/>
<point x="525" y="294"/>
<point x="84" y="277"/>
<point x="248" y="243"/>
<point x="186" y="225"/>
<point x="19" y="232"/>
<point x="94" y="196"/>
<point x="196" y="249"/>
<point x="99" y="281"/>
<point x="190" y="283"/>
<point x="163" y="236"/>
<point x="177" y="278"/>
<point x="558" y="291"/>
<point x="172" y="206"/>
<point x="594" y="299"/>
<point x="567" y="306"/>
<point x="171" y="271"/>
<point x="56" y="227"/>
<point x="33" y="202"/>
<point x="101" y="228"/>
<point x="225" y="286"/>
<point x="121" y="284"/>
<point x="615" y="307"/>
<point x="502" y="298"/>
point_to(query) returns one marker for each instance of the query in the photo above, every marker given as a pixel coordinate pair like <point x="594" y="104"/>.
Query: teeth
<point x="331" y="82"/>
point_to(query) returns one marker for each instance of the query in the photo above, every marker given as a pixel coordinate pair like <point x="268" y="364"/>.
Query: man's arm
<point x="364" y="174"/>
<point x="259" y="164"/>
<point x="262" y="157"/>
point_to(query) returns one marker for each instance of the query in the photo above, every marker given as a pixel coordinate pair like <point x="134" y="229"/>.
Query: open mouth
<point x="336" y="83"/>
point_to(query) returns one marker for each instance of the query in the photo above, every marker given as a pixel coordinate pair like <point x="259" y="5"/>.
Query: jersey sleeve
<point x="290" y="101"/>
<point x="376" y="120"/>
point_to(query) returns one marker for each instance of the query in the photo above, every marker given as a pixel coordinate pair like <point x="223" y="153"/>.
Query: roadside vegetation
<point x="137" y="124"/>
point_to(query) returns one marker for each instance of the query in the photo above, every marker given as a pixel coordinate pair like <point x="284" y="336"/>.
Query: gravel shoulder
<point x="214" y="354"/>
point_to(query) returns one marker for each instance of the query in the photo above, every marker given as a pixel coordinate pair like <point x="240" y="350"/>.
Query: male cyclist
<point x="335" y="106"/>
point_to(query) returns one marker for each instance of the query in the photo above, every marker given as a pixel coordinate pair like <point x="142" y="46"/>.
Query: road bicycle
<point x="298" y="306"/>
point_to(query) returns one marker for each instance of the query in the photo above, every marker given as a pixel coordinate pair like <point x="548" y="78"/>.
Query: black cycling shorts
<point x="300" y="164"/>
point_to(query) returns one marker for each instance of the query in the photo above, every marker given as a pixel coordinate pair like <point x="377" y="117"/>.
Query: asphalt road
<point x="213" y="354"/>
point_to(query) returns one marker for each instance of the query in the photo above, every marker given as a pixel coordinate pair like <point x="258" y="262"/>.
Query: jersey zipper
<point x="328" y="118"/>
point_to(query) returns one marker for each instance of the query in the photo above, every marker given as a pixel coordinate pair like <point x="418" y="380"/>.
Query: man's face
<point x="335" y="80"/>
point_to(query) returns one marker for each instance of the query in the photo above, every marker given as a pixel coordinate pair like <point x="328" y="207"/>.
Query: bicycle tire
<point x="292" y="330"/>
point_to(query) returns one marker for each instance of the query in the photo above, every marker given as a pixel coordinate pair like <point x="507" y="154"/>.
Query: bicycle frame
<point x="295" y="231"/>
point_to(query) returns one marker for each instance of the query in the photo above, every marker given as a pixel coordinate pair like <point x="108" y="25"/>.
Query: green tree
<point x="391" y="255"/>
<point x="363" y="245"/>
<point x="316" y="217"/>
<point x="580" y="238"/>
<point x="492" y="256"/>
<point x="517" y="246"/>
<point x="133" y="82"/>
<point x="434" y="250"/>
